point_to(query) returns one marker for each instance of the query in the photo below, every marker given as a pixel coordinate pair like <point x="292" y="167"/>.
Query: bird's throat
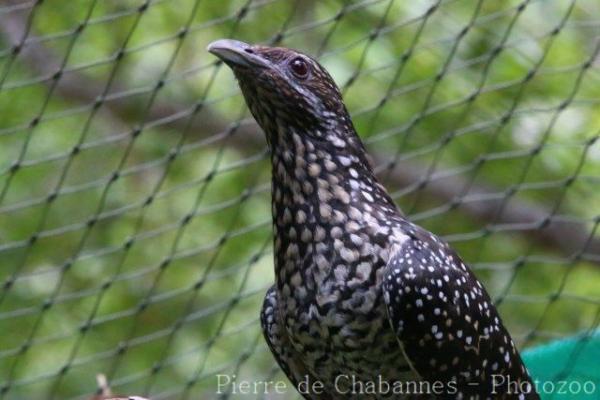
<point x="318" y="193"/>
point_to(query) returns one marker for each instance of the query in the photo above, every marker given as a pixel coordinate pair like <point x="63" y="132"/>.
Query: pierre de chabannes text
<point x="349" y="384"/>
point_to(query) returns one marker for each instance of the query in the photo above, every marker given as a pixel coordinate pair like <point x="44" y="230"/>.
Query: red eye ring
<point x="299" y="67"/>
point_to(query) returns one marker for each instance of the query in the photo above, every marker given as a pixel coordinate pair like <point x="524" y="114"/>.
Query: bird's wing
<point x="446" y="323"/>
<point x="285" y="355"/>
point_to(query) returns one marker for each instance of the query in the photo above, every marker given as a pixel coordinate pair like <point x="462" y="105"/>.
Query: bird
<point x="365" y="303"/>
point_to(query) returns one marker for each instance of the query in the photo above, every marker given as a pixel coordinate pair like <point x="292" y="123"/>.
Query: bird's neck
<point x="310" y="174"/>
<point x="318" y="190"/>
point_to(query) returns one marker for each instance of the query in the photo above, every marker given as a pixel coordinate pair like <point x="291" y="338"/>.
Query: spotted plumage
<point x="361" y="294"/>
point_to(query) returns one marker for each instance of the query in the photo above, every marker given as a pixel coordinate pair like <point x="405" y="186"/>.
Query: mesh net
<point x="135" y="235"/>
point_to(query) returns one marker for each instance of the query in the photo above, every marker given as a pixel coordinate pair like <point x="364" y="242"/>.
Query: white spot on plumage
<point x="314" y="169"/>
<point x="348" y="255"/>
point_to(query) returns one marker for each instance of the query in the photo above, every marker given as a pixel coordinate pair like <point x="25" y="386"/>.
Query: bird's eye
<point x="299" y="67"/>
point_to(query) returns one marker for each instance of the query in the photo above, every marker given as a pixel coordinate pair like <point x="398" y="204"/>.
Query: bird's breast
<point x="331" y="253"/>
<point x="330" y="289"/>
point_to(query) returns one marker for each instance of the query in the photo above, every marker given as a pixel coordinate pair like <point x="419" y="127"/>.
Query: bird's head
<point x="289" y="92"/>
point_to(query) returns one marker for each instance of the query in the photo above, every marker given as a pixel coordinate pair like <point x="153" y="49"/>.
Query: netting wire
<point x="134" y="194"/>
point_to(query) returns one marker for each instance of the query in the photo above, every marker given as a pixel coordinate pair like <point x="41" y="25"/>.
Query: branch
<point x="568" y="237"/>
<point x="537" y="221"/>
<point x="78" y="88"/>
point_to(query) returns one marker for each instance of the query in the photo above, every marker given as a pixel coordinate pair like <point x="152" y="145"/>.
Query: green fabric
<point x="568" y="368"/>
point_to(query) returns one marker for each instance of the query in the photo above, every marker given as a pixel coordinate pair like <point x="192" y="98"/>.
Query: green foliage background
<point x="140" y="247"/>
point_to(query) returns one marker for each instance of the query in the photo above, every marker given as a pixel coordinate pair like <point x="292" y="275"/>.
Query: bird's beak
<point x="236" y="54"/>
